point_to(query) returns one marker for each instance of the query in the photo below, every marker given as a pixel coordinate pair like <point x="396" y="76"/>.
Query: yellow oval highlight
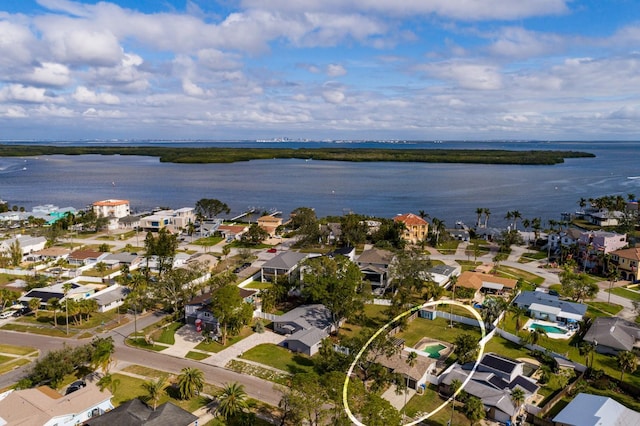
<point x="345" y="387"/>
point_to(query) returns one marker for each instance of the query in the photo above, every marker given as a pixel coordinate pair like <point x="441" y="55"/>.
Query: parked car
<point x="272" y="250"/>
<point x="241" y="268"/>
<point x="77" y="385"/>
<point x="6" y="314"/>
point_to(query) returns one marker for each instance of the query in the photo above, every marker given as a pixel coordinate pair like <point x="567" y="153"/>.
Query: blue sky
<point x="320" y="69"/>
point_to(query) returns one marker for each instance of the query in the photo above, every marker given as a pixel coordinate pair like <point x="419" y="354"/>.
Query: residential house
<point x="112" y="208"/>
<point x="595" y="410"/>
<point x="136" y="413"/>
<point x="50" y="254"/>
<point x="442" y="274"/>
<point x="348" y="252"/>
<point x="86" y="257"/>
<point x="129" y="222"/>
<point x="116" y="260"/>
<point x="626" y="260"/>
<point x="374" y="264"/>
<point x="549" y="307"/>
<point x="415" y="375"/>
<point x="416" y="228"/>
<point x="269" y="223"/>
<point x="594" y="242"/>
<point x="28" y="244"/>
<point x="173" y="221"/>
<point x="47" y="407"/>
<point x="198" y="312"/>
<point x="232" y="232"/>
<point x="485" y="283"/>
<point x="284" y="264"/>
<point x="76" y="292"/>
<point x="305" y="327"/>
<point x="207" y="260"/>
<point x="459" y="234"/>
<point x="566" y="238"/>
<point x="611" y="335"/>
<point x="110" y="298"/>
<point x="493" y="381"/>
<point x="332" y="232"/>
<point x="605" y="217"/>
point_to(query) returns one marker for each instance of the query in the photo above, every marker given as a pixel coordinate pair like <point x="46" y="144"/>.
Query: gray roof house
<point x="493" y="382"/>
<point x="285" y="264"/>
<point x="115" y="260"/>
<point x="374" y="264"/>
<point x="546" y="306"/>
<point x="136" y="413"/>
<point x="611" y="335"/>
<point x="305" y="327"/>
<point x="110" y="297"/>
<point x="594" y="410"/>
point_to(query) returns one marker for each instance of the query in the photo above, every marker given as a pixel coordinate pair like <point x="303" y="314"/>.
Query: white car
<point x="6" y="314"/>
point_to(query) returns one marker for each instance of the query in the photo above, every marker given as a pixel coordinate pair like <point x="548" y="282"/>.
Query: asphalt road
<point x="256" y="388"/>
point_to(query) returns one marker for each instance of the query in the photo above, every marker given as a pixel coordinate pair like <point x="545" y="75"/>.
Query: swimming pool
<point x="547" y="328"/>
<point x="434" y="350"/>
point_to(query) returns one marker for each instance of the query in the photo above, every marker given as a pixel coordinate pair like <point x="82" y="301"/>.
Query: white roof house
<point x="594" y="410"/>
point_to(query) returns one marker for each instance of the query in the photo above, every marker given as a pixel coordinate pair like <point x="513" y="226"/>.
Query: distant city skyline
<point x="309" y="69"/>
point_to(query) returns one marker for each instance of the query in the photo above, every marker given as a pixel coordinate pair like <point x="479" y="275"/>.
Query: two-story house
<point x="626" y="260"/>
<point x="416" y="228"/>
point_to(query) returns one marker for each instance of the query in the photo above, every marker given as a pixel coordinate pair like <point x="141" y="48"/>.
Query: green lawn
<point x="627" y="294"/>
<point x="16" y="350"/>
<point x="167" y="334"/>
<point x="257" y="285"/>
<point x="609" y="309"/>
<point x="280" y="358"/>
<point x="47" y="331"/>
<point x="436" y="329"/>
<point x="141" y="343"/>
<point x="216" y="347"/>
<point x="150" y="373"/>
<point x="198" y="356"/>
<point x="430" y="400"/>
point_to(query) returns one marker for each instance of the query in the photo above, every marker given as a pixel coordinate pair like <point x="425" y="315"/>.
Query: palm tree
<point x="154" y="390"/>
<point x="534" y="336"/>
<point x="102" y="357"/>
<point x="479" y="212"/>
<point x="509" y="216"/>
<point x="517" y="314"/>
<point x="474" y="409"/>
<point x="107" y="381"/>
<point x="232" y="400"/>
<point x="190" y="382"/>
<point x="627" y="361"/>
<point x="517" y="397"/>
<point x="453" y="387"/>
<point x="516" y="215"/>
<point x="587" y="349"/>
<point x="66" y="288"/>
<point x="487" y="213"/>
<point x="53" y="304"/>
<point x="34" y="305"/>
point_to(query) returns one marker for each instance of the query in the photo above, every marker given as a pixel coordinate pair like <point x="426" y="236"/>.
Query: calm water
<point x="447" y="191"/>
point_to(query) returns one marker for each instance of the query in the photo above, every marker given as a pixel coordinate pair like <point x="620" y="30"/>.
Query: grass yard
<point x="436" y="329"/>
<point x="141" y="343"/>
<point x="430" y="400"/>
<point x="215" y="347"/>
<point x="275" y="376"/>
<point x="198" y="356"/>
<point x="10" y="365"/>
<point x="150" y="373"/>
<point x="608" y="309"/>
<point x="47" y="331"/>
<point x="167" y="334"/>
<point x="515" y="273"/>
<point x="257" y="285"/>
<point x="627" y="294"/>
<point x="280" y="358"/>
<point x="16" y="350"/>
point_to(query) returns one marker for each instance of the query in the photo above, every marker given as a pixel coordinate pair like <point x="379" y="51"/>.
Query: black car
<point x="77" y="385"/>
<point x="21" y="311"/>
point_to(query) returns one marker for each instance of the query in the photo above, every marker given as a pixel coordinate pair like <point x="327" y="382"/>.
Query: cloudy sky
<point x="356" y="69"/>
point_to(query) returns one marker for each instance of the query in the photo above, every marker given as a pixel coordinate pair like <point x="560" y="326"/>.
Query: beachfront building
<point x="626" y="260"/>
<point x="269" y="223"/>
<point x="111" y="208"/>
<point x="416" y="228"/>
<point x="173" y="221"/>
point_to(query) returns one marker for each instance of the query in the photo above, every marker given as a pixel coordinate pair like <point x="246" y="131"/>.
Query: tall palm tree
<point x="34" y="305"/>
<point x="516" y="215"/>
<point x="487" y="213"/>
<point x="534" y="336"/>
<point x="586" y="349"/>
<point x="232" y="400"/>
<point x="66" y="288"/>
<point x="190" y="382"/>
<point x="509" y="217"/>
<point x="627" y="361"/>
<point x="517" y="397"/>
<point x="517" y="313"/>
<point x="479" y="212"/>
<point x="154" y="390"/>
<point x="454" y="386"/>
<point x="53" y="304"/>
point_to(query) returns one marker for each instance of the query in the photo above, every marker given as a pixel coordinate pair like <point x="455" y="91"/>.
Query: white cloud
<point x="20" y="93"/>
<point x="50" y="74"/>
<point x="335" y="70"/>
<point x="192" y="89"/>
<point x="94" y="113"/>
<point x="466" y="75"/>
<point x="54" y="111"/>
<point x="14" y="112"/>
<point x="87" y="96"/>
<point x="515" y="42"/>
<point x="333" y="96"/>
<point x="16" y="44"/>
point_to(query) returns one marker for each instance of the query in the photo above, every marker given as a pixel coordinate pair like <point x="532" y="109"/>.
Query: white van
<point x="6" y="314"/>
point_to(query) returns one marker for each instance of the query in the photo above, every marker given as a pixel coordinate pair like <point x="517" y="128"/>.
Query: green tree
<point x="534" y="336"/>
<point x="154" y="390"/>
<point x="453" y="388"/>
<point x="164" y="247"/>
<point x="354" y="230"/>
<point x="102" y="268"/>
<point x="103" y="349"/>
<point x="211" y="207"/>
<point x="336" y="283"/>
<point x="190" y="382"/>
<point x="108" y="381"/>
<point x="230" y="310"/>
<point x="7" y="296"/>
<point x="175" y="288"/>
<point x="466" y="348"/>
<point x="254" y="235"/>
<point x="377" y="411"/>
<point x="474" y="409"/>
<point x="410" y="278"/>
<point x="232" y="401"/>
<point x="517" y="397"/>
<point x="587" y="349"/>
<point x="307" y="399"/>
<point x="627" y="362"/>
<point x="517" y="313"/>
<point x="34" y="305"/>
<point x="53" y="305"/>
<point x="577" y="286"/>
<point x="15" y="252"/>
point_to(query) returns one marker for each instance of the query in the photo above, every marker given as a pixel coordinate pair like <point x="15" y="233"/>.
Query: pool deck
<point x="567" y="334"/>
